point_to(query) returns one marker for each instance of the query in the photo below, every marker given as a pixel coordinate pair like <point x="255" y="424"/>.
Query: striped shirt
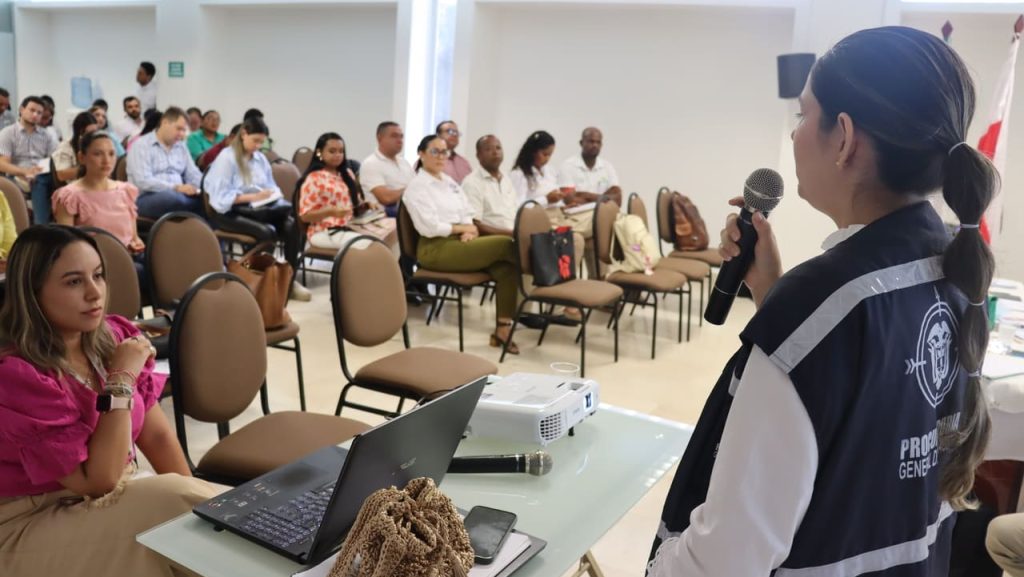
<point x="26" y="149"/>
<point x="154" y="168"/>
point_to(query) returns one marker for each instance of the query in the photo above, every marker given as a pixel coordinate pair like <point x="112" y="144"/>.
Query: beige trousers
<point x="1005" y="542"/>
<point x="41" y="537"/>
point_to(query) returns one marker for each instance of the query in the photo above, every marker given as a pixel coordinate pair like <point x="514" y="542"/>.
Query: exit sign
<point x="176" y="69"/>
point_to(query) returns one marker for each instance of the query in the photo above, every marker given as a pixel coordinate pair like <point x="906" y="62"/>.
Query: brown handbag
<point x="410" y="532"/>
<point x="270" y="280"/>
<point x="689" y="231"/>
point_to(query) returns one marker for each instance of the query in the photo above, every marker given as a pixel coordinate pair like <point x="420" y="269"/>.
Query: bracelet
<point x="119" y="390"/>
<point x="131" y="376"/>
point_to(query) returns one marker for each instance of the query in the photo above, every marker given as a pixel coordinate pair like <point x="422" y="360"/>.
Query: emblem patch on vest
<point x="937" y="363"/>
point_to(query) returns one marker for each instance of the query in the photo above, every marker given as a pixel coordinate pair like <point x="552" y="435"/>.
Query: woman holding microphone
<point x="845" y="432"/>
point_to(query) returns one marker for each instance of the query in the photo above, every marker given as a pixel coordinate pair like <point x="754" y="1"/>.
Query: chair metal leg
<point x="512" y="332"/>
<point x="615" y="313"/>
<point x="341" y="399"/>
<point x="264" y="398"/>
<point x="298" y="371"/>
<point x="458" y="303"/>
<point x="223" y="430"/>
<point x="583" y="344"/>
<point x="700" y="309"/>
<point x="401" y="403"/>
<point x="682" y="294"/>
<point x="654" y="327"/>
<point x="544" y="330"/>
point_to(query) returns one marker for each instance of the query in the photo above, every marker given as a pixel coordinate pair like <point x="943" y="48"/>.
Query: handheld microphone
<point x="537" y="464"/>
<point x="761" y="193"/>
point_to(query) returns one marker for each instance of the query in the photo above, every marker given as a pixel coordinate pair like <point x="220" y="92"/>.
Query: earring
<point x="318" y="157"/>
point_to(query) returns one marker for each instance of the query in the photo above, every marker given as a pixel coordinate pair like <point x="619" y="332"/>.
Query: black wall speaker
<point x="793" y="72"/>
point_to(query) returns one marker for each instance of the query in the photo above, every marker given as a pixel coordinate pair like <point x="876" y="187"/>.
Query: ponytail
<point x="968" y="187"/>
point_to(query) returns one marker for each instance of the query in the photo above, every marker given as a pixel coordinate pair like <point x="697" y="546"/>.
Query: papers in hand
<point x="580" y="208"/>
<point x="269" y="200"/>
<point x="368" y="217"/>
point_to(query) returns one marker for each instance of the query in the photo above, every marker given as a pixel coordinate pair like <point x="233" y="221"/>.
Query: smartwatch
<point x="107" y="402"/>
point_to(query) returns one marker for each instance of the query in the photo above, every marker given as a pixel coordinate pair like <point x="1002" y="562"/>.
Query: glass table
<point x="598" y="475"/>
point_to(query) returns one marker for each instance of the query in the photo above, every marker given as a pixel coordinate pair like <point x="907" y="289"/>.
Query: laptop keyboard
<point x="292" y="522"/>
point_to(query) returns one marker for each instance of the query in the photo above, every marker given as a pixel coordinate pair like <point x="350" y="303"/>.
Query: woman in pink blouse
<point x="78" y="398"/>
<point x="330" y="198"/>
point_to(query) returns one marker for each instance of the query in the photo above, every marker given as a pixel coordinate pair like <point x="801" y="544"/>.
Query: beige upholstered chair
<point x="696" y="270"/>
<point x="367" y="314"/>
<point x="302" y="158"/>
<point x="638" y="287"/>
<point x="124" y="297"/>
<point x="218" y="364"/>
<point x="16" y="202"/>
<point x="286" y="176"/>
<point x="449" y="286"/>
<point x="181" y="248"/>
<point x="307" y="250"/>
<point x="579" y="293"/>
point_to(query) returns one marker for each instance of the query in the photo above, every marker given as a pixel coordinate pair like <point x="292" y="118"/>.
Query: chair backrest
<point x="302" y="157"/>
<point x="121" y="169"/>
<point x="408" y="237"/>
<point x="664" y="210"/>
<point x="286" y="176"/>
<point x="55" y="182"/>
<point x="604" y="229"/>
<point x="16" y="202"/>
<point x="181" y="248"/>
<point x="367" y="313"/>
<point x="636" y="207"/>
<point x="124" y="295"/>
<point x="531" y="218"/>
<point x="218" y="349"/>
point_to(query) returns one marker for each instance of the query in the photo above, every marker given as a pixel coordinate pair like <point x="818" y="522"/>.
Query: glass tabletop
<point x="597" y="476"/>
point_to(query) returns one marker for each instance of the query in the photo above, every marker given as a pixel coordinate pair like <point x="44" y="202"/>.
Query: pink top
<point x="457" y="167"/>
<point x="113" y="209"/>
<point x="46" y="423"/>
<point x="324" y="189"/>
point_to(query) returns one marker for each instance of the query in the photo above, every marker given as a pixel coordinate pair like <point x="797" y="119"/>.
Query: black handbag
<point x="553" y="256"/>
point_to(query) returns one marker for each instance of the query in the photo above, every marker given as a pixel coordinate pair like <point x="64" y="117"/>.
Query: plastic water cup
<point x="567" y="370"/>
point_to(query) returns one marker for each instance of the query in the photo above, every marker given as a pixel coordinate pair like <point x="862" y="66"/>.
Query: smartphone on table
<point x="487" y="530"/>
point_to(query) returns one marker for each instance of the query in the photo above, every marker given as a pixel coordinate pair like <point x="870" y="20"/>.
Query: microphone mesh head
<point x="538" y="463"/>
<point x="763" y="190"/>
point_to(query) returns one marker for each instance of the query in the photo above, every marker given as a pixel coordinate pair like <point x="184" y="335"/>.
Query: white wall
<point x="685" y="96"/>
<point x="310" y="69"/>
<point x="54" y="46"/>
<point x="983" y="41"/>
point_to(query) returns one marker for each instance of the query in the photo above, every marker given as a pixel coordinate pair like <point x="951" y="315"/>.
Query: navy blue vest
<point x="867" y="332"/>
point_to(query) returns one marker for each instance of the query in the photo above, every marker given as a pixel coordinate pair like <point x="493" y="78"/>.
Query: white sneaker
<point x="300" y="293"/>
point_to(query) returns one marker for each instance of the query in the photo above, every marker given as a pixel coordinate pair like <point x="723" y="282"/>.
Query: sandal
<point x="499" y="342"/>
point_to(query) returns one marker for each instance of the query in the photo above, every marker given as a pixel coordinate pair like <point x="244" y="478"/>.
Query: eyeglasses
<point x="453" y="132"/>
<point x="438" y="152"/>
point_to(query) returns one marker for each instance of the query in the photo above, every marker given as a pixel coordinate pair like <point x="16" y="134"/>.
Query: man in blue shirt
<point x="161" y="167"/>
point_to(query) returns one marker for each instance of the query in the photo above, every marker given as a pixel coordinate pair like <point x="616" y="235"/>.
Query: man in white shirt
<point x="586" y="177"/>
<point x="25" y="148"/>
<point x="7" y="117"/>
<point x="385" y="173"/>
<point x="147" y="88"/>
<point x="490" y="192"/>
<point x="132" y="123"/>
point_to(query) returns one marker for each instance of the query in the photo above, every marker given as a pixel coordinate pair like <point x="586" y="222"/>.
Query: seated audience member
<point x="242" y="191"/>
<point x="1005" y="543"/>
<point x="68" y="502"/>
<point x="257" y="113"/>
<point x="152" y="122"/>
<point x="102" y="104"/>
<point x="330" y="197"/>
<point x="96" y="200"/>
<point x="384" y="174"/>
<point x="100" y="114"/>
<point x="65" y="158"/>
<point x="46" y="120"/>
<point x="195" y="118"/>
<point x="6" y="115"/>
<point x="490" y="192"/>
<point x="206" y="136"/>
<point x="146" y="92"/>
<point x="457" y="166"/>
<point x="449" y="241"/>
<point x="161" y="168"/>
<point x="25" y="148"/>
<point x="132" y="123"/>
<point x="8" y="231"/>
<point x="586" y="177"/>
<point x="207" y="158"/>
<point x="534" y="179"/>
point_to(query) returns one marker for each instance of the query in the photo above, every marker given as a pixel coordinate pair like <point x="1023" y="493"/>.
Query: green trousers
<point x="494" y="255"/>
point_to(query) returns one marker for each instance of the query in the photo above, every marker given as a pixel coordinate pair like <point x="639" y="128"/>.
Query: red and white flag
<point x="994" y="142"/>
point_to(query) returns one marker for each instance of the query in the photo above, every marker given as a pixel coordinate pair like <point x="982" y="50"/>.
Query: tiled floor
<point x="673" y="386"/>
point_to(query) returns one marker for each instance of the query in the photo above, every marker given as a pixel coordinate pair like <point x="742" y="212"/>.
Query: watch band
<point x="107" y="402"/>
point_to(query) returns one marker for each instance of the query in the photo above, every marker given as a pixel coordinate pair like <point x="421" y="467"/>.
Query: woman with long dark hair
<point x="65" y="158"/>
<point x="79" y="398"/>
<point x="845" y="433"/>
<point x="330" y="198"/>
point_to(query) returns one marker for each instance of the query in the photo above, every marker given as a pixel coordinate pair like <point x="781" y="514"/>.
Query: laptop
<point x="303" y="510"/>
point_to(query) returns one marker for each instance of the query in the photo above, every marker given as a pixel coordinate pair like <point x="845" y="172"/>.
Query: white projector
<point x="532" y="407"/>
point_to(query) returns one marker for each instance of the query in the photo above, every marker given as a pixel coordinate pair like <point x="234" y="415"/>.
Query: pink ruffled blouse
<point x="46" y="422"/>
